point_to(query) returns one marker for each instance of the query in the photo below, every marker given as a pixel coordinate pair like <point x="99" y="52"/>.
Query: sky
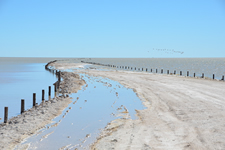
<point x="112" y="28"/>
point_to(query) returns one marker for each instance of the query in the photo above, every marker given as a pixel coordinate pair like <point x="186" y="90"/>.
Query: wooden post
<point x="43" y="95"/>
<point x="146" y="69"/>
<point x="22" y="106"/>
<point x="194" y="75"/>
<point x="151" y="70"/>
<point x="130" y="68"/>
<point x="59" y="78"/>
<point x="168" y="72"/>
<point x="34" y="99"/>
<point x="187" y="73"/>
<point x="156" y="71"/>
<point x="202" y="75"/>
<point x="213" y="76"/>
<point x="135" y="68"/>
<point x="49" y="92"/>
<point x="161" y="71"/>
<point x="174" y="71"/>
<point x="6" y="115"/>
<point x="222" y="78"/>
<point x="180" y="73"/>
<point x="142" y="69"/>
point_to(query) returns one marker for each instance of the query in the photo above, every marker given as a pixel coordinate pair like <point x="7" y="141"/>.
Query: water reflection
<point x="100" y="101"/>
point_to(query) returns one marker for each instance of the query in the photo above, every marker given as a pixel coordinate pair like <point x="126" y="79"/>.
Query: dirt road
<point x="182" y="113"/>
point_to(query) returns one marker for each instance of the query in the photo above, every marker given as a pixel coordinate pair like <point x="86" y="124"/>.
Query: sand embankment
<point x="28" y="123"/>
<point x="182" y="113"/>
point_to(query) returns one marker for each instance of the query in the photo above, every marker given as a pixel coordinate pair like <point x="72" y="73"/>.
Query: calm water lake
<point x="19" y="79"/>
<point x="208" y="66"/>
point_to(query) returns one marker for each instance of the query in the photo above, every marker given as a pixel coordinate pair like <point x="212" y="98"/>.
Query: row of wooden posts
<point x="151" y="70"/>
<point x="56" y="89"/>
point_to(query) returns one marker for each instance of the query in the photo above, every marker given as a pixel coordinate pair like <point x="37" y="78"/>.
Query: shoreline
<point x="28" y="123"/>
<point x="181" y="113"/>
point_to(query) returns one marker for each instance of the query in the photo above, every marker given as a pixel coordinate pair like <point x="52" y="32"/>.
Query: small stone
<point x="114" y="140"/>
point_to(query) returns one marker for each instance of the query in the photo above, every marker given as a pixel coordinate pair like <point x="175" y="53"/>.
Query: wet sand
<point x="182" y="113"/>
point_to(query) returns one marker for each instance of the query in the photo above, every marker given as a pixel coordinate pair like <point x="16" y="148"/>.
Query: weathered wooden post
<point x="142" y="69"/>
<point x="161" y="71"/>
<point x="55" y="89"/>
<point x="222" y="78"/>
<point x="156" y="70"/>
<point x="22" y="106"/>
<point x="213" y="76"/>
<point x="202" y="75"/>
<point x="135" y="68"/>
<point x="151" y="70"/>
<point x="168" y="72"/>
<point x="59" y="78"/>
<point x="49" y="92"/>
<point x="34" y="99"/>
<point x="174" y="71"/>
<point x="187" y="73"/>
<point x="194" y="75"/>
<point x="131" y="68"/>
<point x="180" y="73"/>
<point x="6" y="115"/>
<point x="43" y="95"/>
<point x="146" y="69"/>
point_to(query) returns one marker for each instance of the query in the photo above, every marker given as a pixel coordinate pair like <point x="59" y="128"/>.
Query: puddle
<point x="98" y="103"/>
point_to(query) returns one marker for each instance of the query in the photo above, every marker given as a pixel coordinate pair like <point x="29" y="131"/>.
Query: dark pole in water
<point x="161" y="71"/>
<point x="34" y="99"/>
<point x="59" y="78"/>
<point x="49" y="92"/>
<point x="222" y="78"/>
<point x="213" y="76"/>
<point x="6" y="115"/>
<point x="151" y="70"/>
<point x="168" y="71"/>
<point x="174" y="71"/>
<point x="43" y="95"/>
<point x="194" y="75"/>
<point x="156" y="70"/>
<point x="187" y="73"/>
<point x="55" y="89"/>
<point x="146" y="69"/>
<point x="202" y="75"/>
<point x="142" y="69"/>
<point x="22" y="106"/>
<point x="180" y="73"/>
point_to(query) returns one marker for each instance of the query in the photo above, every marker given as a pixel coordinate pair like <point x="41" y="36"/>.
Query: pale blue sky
<point x="112" y="28"/>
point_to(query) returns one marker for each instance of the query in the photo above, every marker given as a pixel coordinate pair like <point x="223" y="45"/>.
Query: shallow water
<point x="208" y="66"/>
<point x="92" y="108"/>
<point x="19" y="79"/>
